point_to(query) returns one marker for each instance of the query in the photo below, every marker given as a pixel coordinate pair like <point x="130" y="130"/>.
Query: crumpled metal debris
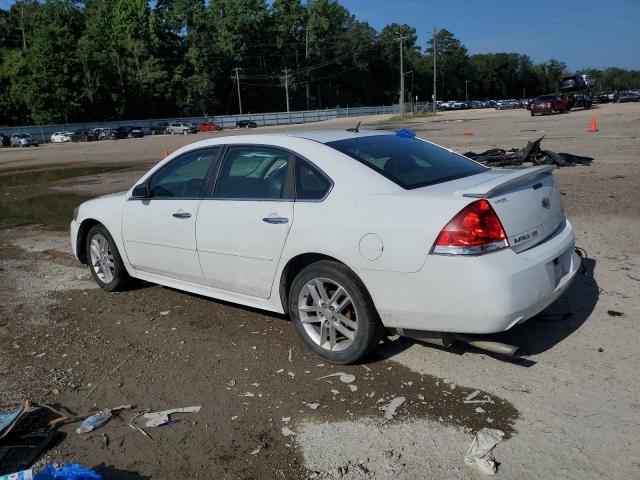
<point x="479" y="454"/>
<point x="532" y="153"/>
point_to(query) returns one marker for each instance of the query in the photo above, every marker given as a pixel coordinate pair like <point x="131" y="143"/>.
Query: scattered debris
<point x="23" y="475"/>
<point x="614" y="313"/>
<point x="286" y="419"/>
<point x="234" y="418"/>
<point x="391" y="407"/>
<point x="291" y="374"/>
<point x="313" y="406"/>
<point x="353" y="388"/>
<point x="73" y="471"/>
<point x="280" y="371"/>
<point x="290" y="355"/>
<point x="471" y="398"/>
<point x="247" y="394"/>
<point x="479" y="454"/>
<point x="231" y="383"/>
<point x="25" y="437"/>
<point x="257" y="450"/>
<point x="287" y="432"/>
<point x="9" y="420"/>
<point x="157" y="419"/>
<point x="94" y="421"/>
<point x="344" y="377"/>
<point x="532" y="153"/>
<point x="480" y="410"/>
<point x="165" y="313"/>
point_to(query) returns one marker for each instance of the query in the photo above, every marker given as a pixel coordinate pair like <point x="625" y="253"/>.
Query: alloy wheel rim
<point x="102" y="258"/>
<point x="328" y="315"/>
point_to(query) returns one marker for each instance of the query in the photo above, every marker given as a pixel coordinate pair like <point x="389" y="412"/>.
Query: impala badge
<point x="546" y="203"/>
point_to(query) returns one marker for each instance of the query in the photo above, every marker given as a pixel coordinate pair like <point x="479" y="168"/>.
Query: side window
<point x="253" y="172"/>
<point x="185" y="176"/>
<point x="310" y="183"/>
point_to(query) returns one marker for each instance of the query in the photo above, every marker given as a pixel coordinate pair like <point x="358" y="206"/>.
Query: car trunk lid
<point x="526" y="201"/>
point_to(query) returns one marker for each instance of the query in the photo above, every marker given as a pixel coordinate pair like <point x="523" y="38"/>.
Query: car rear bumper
<point x="541" y="110"/>
<point x="481" y="294"/>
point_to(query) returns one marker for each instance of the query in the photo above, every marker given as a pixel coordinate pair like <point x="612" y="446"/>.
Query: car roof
<point x="326" y="136"/>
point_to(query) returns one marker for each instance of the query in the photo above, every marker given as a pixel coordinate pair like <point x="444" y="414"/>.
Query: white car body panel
<point x="381" y="231"/>
<point x="157" y="242"/>
<point x="239" y="252"/>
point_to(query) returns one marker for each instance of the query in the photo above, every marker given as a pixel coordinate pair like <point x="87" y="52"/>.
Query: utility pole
<point x="237" y="69"/>
<point x="466" y="92"/>
<point x="306" y="56"/>
<point x="286" y="85"/>
<point x="24" y="38"/>
<point x="433" y="46"/>
<point x="401" y="102"/>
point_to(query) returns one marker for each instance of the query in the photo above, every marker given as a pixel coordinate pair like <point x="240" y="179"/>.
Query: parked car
<point x="129" y="132"/>
<point x="184" y="128"/>
<point x="506" y="104"/>
<point x="160" y="129"/>
<point x="5" y="140"/>
<point x="99" y="133"/>
<point x="246" y="124"/>
<point x="209" y="127"/>
<point x="576" y="82"/>
<point x="61" y="137"/>
<point x="625" y="97"/>
<point x="605" y="97"/>
<point x="467" y="232"/>
<point x="548" y="104"/>
<point x="83" y="135"/>
<point x="23" y="140"/>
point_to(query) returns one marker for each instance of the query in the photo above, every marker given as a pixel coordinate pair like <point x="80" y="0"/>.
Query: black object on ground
<point x="20" y="449"/>
<point x="532" y="153"/>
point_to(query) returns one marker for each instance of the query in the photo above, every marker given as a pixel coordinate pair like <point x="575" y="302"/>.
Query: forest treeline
<point x="66" y="61"/>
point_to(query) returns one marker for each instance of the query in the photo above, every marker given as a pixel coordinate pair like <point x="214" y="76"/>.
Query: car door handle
<point x="182" y="215"/>
<point x="275" y="220"/>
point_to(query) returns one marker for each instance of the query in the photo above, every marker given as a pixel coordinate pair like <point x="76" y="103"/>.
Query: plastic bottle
<point x="94" y="421"/>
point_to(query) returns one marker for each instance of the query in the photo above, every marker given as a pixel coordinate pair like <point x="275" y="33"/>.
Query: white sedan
<point x="61" y="137"/>
<point x="348" y="232"/>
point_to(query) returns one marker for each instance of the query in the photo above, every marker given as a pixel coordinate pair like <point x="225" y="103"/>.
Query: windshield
<point x="408" y="162"/>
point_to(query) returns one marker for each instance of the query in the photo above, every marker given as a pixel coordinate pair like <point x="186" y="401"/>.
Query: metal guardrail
<point x="43" y="132"/>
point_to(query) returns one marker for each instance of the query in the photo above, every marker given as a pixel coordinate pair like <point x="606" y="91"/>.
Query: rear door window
<point x="311" y="184"/>
<point x="253" y="172"/>
<point x="408" y="162"/>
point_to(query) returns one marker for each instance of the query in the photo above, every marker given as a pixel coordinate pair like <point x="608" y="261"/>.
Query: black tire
<point x="370" y="329"/>
<point x="120" y="277"/>
<point x="532" y="114"/>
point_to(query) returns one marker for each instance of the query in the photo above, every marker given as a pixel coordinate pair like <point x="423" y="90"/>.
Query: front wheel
<point x="104" y="259"/>
<point x="333" y="313"/>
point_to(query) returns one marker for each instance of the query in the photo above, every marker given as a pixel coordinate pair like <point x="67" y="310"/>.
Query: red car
<point x="209" y="127"/>
<point x="550" y="104"/>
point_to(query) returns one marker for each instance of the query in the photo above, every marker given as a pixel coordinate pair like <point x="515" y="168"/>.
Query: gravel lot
<point x="569" y="405"/>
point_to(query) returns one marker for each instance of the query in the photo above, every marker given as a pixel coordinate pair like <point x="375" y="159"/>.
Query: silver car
<point x="23" y="140"/>
<point x="181" y="127"/>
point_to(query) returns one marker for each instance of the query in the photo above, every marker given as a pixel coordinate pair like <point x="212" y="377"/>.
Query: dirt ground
<point x="569" y="404"/>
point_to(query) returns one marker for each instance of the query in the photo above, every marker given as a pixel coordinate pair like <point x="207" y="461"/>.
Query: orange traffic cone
<point x="166" y="152"/>
<point x="593" y="127"/>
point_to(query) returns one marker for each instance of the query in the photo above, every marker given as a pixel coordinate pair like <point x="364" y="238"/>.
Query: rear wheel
<point x="104" y="259"/>
<point x="333" y="313"/>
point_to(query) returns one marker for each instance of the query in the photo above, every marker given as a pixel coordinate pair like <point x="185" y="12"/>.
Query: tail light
<point x="475" y="230"/>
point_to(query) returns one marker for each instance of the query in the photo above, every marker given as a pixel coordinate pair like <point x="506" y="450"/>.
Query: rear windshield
<point x="408" y="162"/>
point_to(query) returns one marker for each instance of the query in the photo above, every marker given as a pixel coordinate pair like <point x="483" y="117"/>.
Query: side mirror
<point x="141" y="191"/>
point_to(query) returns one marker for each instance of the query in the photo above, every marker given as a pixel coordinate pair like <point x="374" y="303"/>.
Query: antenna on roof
<point x="355" y="130"/>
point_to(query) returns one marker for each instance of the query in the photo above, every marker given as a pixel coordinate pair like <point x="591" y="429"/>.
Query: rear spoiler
<point x="488" y="188"/>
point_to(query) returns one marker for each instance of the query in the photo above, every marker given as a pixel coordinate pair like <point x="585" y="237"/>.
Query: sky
<point x="581" y="33"/>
